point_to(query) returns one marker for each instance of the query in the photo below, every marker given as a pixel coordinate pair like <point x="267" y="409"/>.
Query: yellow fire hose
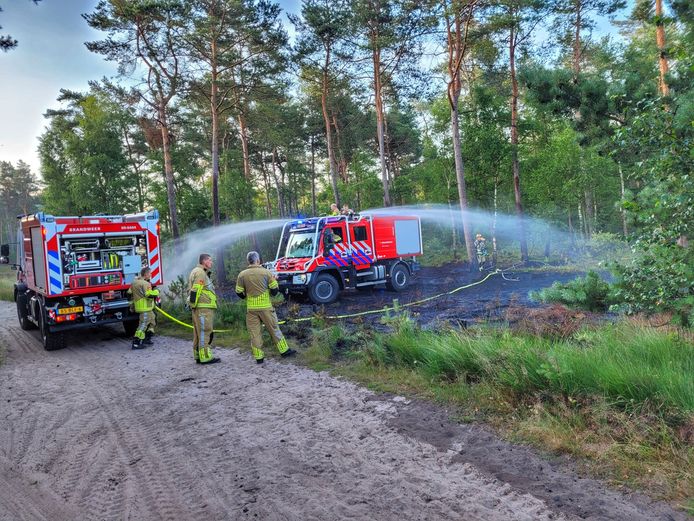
<point x="385" y="309"/>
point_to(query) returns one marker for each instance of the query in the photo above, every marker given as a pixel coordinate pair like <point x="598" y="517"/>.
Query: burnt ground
<point x="487" y="300"/>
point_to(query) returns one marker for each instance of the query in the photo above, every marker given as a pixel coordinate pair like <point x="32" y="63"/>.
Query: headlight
<point x="299" y="279"/>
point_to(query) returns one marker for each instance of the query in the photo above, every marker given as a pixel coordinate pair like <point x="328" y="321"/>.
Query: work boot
<point x="259" y="360"/>
<point x="215" y="360"/>
<point x="137" y="344"/>
<point x="289" y="352"/>
<point x="148" y="339"/>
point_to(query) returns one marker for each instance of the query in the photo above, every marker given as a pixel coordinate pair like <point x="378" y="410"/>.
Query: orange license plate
<point x="68" y="311"/>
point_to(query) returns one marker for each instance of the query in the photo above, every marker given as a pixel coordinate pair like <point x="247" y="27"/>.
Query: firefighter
<point x="330" y="239"/>
<point x="143" y="303"/>
<point x="203" y="302"/>
<point x="347" y="211"/>
<point x="255" y="284"/>
<point x="481" y="250"/>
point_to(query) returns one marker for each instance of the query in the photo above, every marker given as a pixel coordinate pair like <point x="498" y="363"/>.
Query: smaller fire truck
<point x="320" y="256"/>
<point x="74" y="272"/>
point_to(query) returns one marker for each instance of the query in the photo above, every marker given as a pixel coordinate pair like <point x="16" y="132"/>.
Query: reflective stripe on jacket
<point x="143" y="295"/>
<point x="201" y="289"/>
<point x="256" y="282"/>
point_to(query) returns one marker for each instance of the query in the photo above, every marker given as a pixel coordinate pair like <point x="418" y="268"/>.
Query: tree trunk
<point x="266" y="183"/>
<point x="168" y="172"/>
<point x="379" y="121"/>
<point x="136" y="169"/>
<point x="313" y="176"/>
<point x="328" y="132"/>
<point x="589" y="213"/>
<point x="494" y="220"/>
<point x="577" y="40"/>
<point x="342" y="167"/>
<point x="662" y="53"/>
<point x="216" y="218"/>
<point x="462" y="189"/>
<point x="454" y="231"/>
<point x="280" y="189"/>
<point x="456" y="41"/>
<point x="215" y="137"/>
<point x="622" y="211"/>
<point x="514" y="146"/>
<point x="243" y="136"/>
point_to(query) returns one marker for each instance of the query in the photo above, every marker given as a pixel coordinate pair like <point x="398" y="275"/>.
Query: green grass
<point x="7" y="279"/>
<point x="625" y="364"/>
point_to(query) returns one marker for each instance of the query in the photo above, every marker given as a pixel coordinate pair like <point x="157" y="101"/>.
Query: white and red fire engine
<point x="74" y="272"/>
<point x="320" y="256"/>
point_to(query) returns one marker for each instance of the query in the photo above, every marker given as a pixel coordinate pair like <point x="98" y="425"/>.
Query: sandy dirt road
<point x="97" y="431"/>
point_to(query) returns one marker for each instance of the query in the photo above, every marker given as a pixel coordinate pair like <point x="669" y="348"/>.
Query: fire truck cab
<point x="320" y="256"/>
<point x="74" y="272"/>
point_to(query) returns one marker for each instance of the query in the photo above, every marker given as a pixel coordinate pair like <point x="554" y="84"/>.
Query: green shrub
<point x="589" y="292"/>
<point x="659" y="280"/>
<point x="177" y="292"/>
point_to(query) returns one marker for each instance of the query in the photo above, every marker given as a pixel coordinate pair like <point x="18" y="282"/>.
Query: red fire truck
<point x="320" y="256"/>
<point x="74" y="272"/>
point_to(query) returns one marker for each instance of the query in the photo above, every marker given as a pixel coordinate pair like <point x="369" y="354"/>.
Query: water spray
<point x="184" y="256"/>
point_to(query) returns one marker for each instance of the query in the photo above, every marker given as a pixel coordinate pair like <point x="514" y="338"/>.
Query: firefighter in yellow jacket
<point x="256" y="284"/>
<point x="143" y="302"/>
<point x="203" y="302"/>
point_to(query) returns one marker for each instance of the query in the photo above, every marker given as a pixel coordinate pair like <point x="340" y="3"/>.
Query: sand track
<point x="97" y="431"/>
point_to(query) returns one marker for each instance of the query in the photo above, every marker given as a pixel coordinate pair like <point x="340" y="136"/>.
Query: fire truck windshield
<point x="300" y="244"/>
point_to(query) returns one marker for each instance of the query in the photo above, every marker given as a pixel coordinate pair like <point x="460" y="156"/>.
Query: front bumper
<point x="293" y="282"/>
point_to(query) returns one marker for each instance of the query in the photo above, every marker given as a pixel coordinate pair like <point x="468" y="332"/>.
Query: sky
<point x="50" y="56"/>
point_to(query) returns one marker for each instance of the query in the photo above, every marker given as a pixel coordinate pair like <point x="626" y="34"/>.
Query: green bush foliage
<point x="591" y="293"/>
<point x="659" y="280"/>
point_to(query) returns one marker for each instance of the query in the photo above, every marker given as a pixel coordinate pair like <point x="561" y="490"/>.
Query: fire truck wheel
<point x="23" y="313"/>
<point x="399" y="278"/>
<point x="51" y="341"/>
<point x="324" y="290"/>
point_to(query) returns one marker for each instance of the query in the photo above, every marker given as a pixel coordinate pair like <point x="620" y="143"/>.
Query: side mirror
<point x="4" y="250"/>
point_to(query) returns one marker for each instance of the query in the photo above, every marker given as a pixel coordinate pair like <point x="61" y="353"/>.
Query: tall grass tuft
<point x="627" y="364"/>
<point x="7" y="279"/>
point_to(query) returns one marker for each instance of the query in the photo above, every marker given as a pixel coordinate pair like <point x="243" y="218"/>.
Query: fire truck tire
<point x="399" y="278"/>
<point x="23" y="312"/>
<point x="130" y="326"/>
<point x="324" y="290"/>
<point x="50" y="341"/>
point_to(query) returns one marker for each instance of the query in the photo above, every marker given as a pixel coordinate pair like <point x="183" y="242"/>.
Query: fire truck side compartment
<point x="407" y="237"/>
<point x="38" y="258"/>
